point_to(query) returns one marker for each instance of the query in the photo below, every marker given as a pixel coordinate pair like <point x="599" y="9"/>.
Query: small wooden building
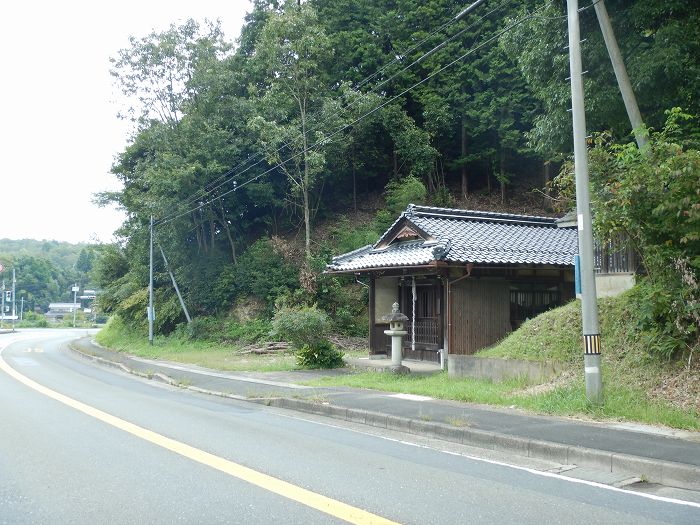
<point x="464" y="278"/>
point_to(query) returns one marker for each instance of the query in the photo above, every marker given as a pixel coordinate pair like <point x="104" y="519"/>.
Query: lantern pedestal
<point x="396" y="332"/>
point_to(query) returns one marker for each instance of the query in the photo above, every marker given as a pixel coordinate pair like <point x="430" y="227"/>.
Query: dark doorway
<point x="428" y="318"/>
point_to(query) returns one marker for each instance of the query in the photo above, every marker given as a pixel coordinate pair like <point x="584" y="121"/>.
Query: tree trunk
<point x="465" y="178"/>
<point x="354" y="181"/>
<point x="396" y="165"/>
<point x="546" y="167"/>
<point x="198" y="236"/>
<point x="204" y="238"/>
<point x="432" y="180"/>
<point x="227" y="228"/>
<point x="212" y="231"/>
<point x="502" y="180"/>
<point x="305" y="189"/>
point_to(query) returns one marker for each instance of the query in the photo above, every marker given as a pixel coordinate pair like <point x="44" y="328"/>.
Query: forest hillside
<point x="255" y="161"/>
<point x="46" y="270"/>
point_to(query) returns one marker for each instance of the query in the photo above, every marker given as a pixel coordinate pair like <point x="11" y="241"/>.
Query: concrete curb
<point x="655" y="471"/>
<point x="667" y="473"/>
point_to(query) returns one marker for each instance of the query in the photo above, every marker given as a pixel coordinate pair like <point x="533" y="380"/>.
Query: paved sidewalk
<point x="657" y="455"/>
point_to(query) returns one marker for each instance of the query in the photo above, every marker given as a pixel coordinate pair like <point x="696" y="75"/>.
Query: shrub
<point x="260" y="272"/>
<point x="346" y="303"/>
<point x="442" y="197"/>
<point x="248" y="332"/>
<point x="651" y="197"/>
<point x="401" y="193"/>
<point x="301" y="326"/>
<point x="200" y="328"/>
<point x="346" y="236"/>
<point x="320" y="355"/>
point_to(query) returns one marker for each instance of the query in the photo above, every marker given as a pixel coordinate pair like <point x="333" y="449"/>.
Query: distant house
<point x="464" y="278"/>
<point x="57" y="311"/>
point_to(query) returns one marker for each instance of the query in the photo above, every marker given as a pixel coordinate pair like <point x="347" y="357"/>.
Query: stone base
<point x="399" y="370"/>
<point x="500" y="369"/>
<point x="609" y="285"/>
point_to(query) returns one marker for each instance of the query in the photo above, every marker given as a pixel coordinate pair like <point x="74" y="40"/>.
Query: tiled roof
<point x="463" y="236"/>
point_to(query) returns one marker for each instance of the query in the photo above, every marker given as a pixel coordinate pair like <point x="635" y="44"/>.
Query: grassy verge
<point x="621" y="403"/>
<point x="226" y="356"/>
<point x="637" y="385"/>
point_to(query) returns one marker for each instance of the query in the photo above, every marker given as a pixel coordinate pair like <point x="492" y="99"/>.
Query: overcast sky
<point x="59" y="131"/>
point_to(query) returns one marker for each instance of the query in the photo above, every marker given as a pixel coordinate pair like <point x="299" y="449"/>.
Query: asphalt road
<point x="88" y="445"/>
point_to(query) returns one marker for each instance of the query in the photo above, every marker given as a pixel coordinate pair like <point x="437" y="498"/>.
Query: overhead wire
<point x="399" y="57"/>
<point x="362" y="117"/>
<point x="226" y="178"/>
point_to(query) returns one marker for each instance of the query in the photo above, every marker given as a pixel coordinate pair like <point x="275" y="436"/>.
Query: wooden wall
<point x="479" y="314"/>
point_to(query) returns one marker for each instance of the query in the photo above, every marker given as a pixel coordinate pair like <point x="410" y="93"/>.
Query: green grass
<point x="621" y="402"/>
<point x="217" y="356"/>
<point x="437" y="385"/>
<point x="637" y="385"/>
<point x="554" y="336"/>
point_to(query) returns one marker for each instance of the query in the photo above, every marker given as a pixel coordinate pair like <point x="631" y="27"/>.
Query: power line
<point x="225" y="178"/>
<point x="367" y="79"/>
<point x="362" y="117"/>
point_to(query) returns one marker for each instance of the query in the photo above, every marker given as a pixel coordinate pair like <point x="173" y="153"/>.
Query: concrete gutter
<point x="651" y="470"/>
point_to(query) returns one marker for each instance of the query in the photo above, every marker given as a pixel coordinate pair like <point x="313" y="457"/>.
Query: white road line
<point x="504" y="464"/>
<point x="330" y="506"/>
<point x="535" y="472"/>
<point x="223" y="376"/>
<point x="411" y="397"/>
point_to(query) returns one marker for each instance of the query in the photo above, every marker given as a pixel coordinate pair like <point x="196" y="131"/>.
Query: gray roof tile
<point x="464" y="236"/>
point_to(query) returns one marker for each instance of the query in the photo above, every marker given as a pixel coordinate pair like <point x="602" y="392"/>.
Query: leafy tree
<point x="337" y="94"/>
<point x="292" y="50"/>
<point x="261" y="272"/>
<point x="660" y="41"/>
<point x="652" y="197"/>
<point x="40" y="282"/>
<point x="156" y="70"/>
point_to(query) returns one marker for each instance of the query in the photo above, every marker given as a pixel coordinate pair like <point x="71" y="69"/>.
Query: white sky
<point x="58" y="126"/>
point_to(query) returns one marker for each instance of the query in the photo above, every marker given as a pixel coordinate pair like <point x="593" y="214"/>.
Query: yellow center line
<point x="316" y="501"/>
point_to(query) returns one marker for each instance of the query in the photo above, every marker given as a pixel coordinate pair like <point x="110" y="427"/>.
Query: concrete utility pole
<point x="623" y="80"/>
<point x="589" y="306"/>
<point x="14" y="309"/>
<point x="151" y="313"/>
<point x="2" y="314"/>
<point x="75" y="301"/>
<point x="177" y="290"/>
<point x="21" y="309"/>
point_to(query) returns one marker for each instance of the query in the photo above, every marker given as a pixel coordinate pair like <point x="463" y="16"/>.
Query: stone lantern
<point x="396" y="320"/>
